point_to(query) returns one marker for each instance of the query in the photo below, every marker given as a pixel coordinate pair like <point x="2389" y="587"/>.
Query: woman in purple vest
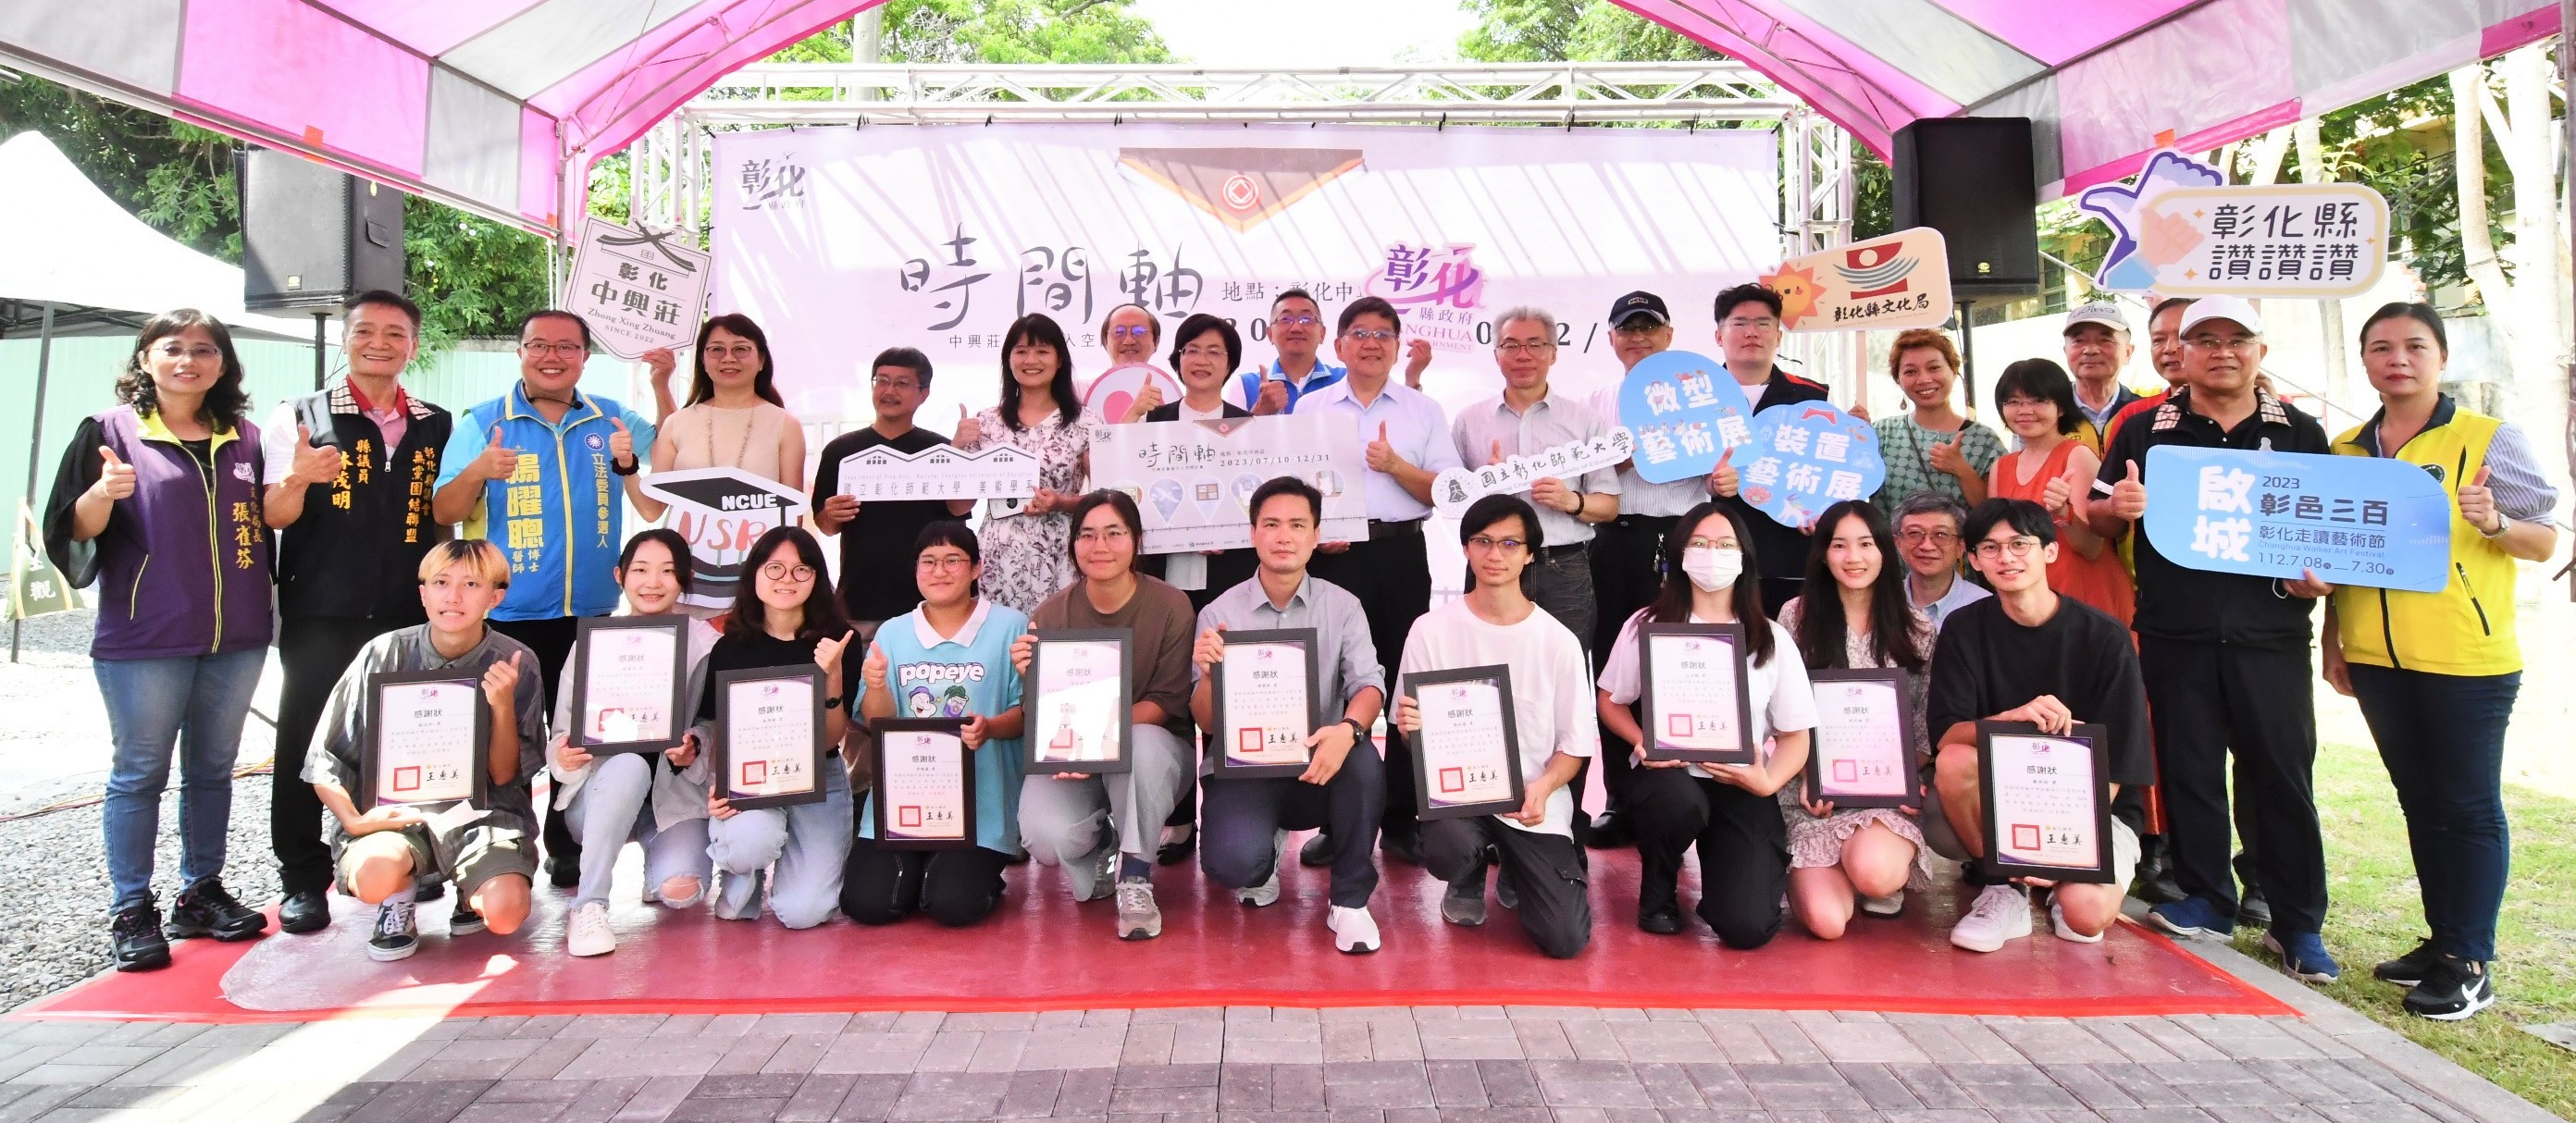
<point x="157" y="504"/>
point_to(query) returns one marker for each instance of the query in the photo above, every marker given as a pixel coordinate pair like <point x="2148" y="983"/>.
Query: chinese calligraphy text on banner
<point x="2180" y="230"/>
<point x="1805" y="457"/>
<point x="1455" y="489"/>
<point x="2354" y="520"/>
<point x="1683" y="409"/>
<point x="1193" y="480"/>
<point x="1901" y="280"/>
<point x="942" y="471"/>
<point x="638" y="290"/>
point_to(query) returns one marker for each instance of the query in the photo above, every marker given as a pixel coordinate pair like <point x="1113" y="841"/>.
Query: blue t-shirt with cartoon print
<point x="959" y="676"/>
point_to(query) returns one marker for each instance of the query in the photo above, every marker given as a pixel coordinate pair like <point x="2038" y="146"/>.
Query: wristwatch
<point x="2503" y="524"/>
<point x="832" y="703"/>
<point x="1358" y="732"/>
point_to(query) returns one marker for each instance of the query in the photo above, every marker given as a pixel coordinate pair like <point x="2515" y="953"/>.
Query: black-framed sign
<point x="1692" y="693"/>
<point x="1078" y="698"/>
<point x="428" y="738"/>
<point x="1467" y="756"/>
<point x="769" y="736"/>
<point x="925" y="784"/>
<point x="2047" y="801"/>
<point x="628" y="673"/>
<point x="1264" y="695"/>
<point x="1861" y="753"/>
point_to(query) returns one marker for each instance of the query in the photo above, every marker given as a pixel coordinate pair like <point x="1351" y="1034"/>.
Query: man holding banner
<point x="1748" y="336"/>
<point x="2226" y="654"/>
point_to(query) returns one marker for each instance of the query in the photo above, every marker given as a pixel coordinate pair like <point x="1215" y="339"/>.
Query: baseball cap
<point x="2221" y="308"/>
<point x="2102" y="312"/>
<point x="1639" y="304"/>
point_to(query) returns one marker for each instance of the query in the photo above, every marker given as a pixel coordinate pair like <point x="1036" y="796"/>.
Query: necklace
<point x="749" y="424"/>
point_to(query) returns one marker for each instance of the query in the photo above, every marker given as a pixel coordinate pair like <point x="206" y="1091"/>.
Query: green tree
<point x="1018" y="31"/>
<point x="176" y="177"/>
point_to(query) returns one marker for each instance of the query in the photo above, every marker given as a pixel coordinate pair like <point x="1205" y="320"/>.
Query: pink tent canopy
<point x="489" y="104"/>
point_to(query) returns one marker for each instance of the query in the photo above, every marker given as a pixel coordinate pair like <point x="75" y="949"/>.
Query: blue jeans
<point x="197" y="705"/>
<point x="615" y="807"/>
<point x="808" y="843"/>
<point x="2442" y="738"/>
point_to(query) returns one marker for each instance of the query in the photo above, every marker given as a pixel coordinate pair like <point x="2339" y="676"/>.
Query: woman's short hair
<point x="1200" y="324"/>
<point x="1116" y="501"/>
<point x="2041" y="380"/>
<point x="948" y="532"/>
<point x="672" y="542"/>
<point x="1921" y="339"/>
<point x="482" y="560"/>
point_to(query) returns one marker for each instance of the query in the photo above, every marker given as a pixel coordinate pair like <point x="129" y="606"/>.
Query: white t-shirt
<point x="1550" y="709"/>
<point x="1782" y="699"/>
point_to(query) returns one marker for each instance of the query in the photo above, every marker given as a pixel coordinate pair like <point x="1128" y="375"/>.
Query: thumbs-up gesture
<point x="2129" y="496"/>
<point x="1381" y="453"/>
<point x="1945" y="455"/>
<point x="2059" y="495"/>
<point x="1273" y="399"/>
<point x="2477" y="505"/>
<point x="970" y="432"/>
<point x="117" y="481"/>
<point x="827" y="651"/>
<point x="501" y="684"/>
<point x="498" y="461"/>
<point x="314" y="464"/>
<point x="1145" y="403"/>
<point x="1723" y="480"/>
<point x="621" y="447"/>
<point x="873" y="671"/>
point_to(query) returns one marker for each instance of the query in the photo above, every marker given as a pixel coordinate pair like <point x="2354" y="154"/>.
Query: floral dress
<point x="1025" y="558"/>
<point x="1817" y="843"/>
<point x="1906" y="448"/>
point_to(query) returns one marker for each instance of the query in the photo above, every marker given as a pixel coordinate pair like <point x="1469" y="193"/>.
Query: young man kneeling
<point x="2028" y="654"/>
<point x="379" y="855"/>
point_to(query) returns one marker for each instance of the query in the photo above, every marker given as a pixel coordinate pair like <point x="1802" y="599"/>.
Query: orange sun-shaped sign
<point x="1798" y="289"/>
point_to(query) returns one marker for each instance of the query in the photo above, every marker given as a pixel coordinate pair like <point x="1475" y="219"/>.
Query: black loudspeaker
<point x="1971" y="179"/>
<point x="312" y="237"/>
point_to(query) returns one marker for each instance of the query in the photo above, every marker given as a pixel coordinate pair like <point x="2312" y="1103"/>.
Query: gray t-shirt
<point x="341" y="736"/>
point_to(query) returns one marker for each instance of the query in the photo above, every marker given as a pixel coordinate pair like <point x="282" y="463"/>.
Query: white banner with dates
<point x="1193" y="480"/>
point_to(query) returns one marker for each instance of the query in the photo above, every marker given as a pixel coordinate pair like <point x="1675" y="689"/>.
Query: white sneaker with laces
<point x="397" y="933"/>
<point x="1138" y="917"/>
<point x="2001" y="913"/>
<point x="2057" y="924"/>
<point x="1267" y="893"/>
<point x="1354" y="930"/>
<point x="587" y="933"/>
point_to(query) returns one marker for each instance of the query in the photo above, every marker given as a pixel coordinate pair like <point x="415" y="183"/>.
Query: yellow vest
<point x="2467" y="628"/>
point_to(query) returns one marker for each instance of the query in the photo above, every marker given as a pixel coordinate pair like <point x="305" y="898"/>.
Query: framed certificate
<point x="1692" y="693"/>
<point x="769" y="736"/>
<point x="427" y="737"/>
<point x="1467" y="758"/>
<point x="627" y="676"/>
<point x="2047" y="805"/>
<point x="1264" y="695"/>
<point x="1859" y="755"/>
<point x="925" y="789"/>
<point x="1080" y="683"/>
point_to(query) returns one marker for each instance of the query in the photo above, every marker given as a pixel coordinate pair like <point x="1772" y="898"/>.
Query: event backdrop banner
<point x="842" y="242"/>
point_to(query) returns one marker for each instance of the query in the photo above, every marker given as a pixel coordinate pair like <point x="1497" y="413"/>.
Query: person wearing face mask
<point x="372" y="448"/>
<point x="1731" y="812"/>
<point x="1025" y="547"/>
<point x="656" y="802"/>
<point x="1748" y="335"/>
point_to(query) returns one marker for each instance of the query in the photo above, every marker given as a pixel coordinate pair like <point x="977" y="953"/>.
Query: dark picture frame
<point x="678" y="628"/>
<point x="371" y="754"/>
<point x="884" y="800"/>
<point x="1910" y="771"/>
<point x="1425" y="781"/>
<point x="1652" y="720"/>
<point x="1305" y="640"/>
<point x="2097" y="739"/>
<point x="723" y="765"/>
<point x="1032" y="700"/>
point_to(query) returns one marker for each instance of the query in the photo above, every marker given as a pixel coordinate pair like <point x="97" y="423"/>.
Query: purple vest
<point x="183" y="567"/>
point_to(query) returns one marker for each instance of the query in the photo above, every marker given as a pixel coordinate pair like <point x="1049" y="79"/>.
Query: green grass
<point x="2377" y="915"/>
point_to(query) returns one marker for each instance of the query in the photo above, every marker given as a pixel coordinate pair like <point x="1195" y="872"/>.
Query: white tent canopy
<point x="73" y="246"/>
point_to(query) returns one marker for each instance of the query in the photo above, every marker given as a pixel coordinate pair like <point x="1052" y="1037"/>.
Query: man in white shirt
<point x="1543" y="876"/>
<point x="1927" y="534"/>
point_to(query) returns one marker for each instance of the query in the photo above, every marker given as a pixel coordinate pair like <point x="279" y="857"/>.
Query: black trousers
<point x="1547" y="870"/>
<point x="314" y="651"/>
<point x="552" y="642"/>
<point x="1392" y="579"/>
<point x="1626" y="554"/>
<point x="954" y="887"/>
<point x="2209" y="698"/>
<point x="1239" y="821"/>
<point x="1743" y="852"/>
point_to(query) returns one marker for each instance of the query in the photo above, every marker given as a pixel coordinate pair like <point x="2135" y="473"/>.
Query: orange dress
<point x="2099" y="581"/>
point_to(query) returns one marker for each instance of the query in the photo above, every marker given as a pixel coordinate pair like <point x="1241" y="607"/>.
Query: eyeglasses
<point x="1739" y="324"/>
<point x="1299" y="319"/>
<point x="1635" y="328"/>
<point x="1379" y="334"/>
<point x="1217" y="353"/>
<point x="744" y="353"/>
<point x="1706" y="543"/>
<point x="1115" y="534"/>
<point x="781" y="571"/>
<point x="1917" y="537"/>
<point x="882" y="382"/>
<point x="2018" y="547"/>
<point x="2221" y="343"/>
<point x="943" y="565"/>
<point x="175" y="352"/>
<point x="553" y="348"/>
<point x="1486" y="545"/>
<point x="1131" y="332"/>
<point x="1518" y="347"/>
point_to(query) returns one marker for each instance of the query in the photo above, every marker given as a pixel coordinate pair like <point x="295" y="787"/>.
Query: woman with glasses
<point x="1026" y="541"/>
<point x="949" y="658"/>
<point x="1730" y="811"/>
<point x="1105" y="829"/>
<point x="1931" y="447"/>
<point x="783" y="616"/>
<point x="1860" y="620"/>
<point x="165" y="486"/>
<point x="1204" y="353"/>
<point x="2053" y="469"/>
<point x="734" y="419"/>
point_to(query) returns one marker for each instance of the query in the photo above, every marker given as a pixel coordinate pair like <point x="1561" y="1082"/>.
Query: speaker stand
<point x="1968" y="352"/>
<point x="321" y="359"/>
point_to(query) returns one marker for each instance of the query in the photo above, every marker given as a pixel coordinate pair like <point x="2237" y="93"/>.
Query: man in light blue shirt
<point x="1927" y="535"/>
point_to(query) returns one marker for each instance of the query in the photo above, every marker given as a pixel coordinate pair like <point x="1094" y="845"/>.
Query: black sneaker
<point x="1403" y="847"/>
<point x="2408" y="970"/>
<point x="397" y="935"/>
<point x="1318" y="851"/>
<point x="135" y="940"/>
<point x="2452" y="991"/>
<point x="423" y="892"/>
<point x="305" y="910"/>
<point x="207" y="909"/>
<point x="1611" y="830"/>
<point x="2252" y="911"/>
<point x="564" y="870"/>
<point x="463" y="920"/>
<point x="1662" y="922"/>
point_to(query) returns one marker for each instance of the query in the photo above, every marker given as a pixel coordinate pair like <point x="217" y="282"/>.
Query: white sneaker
<point x="2057" y="924"/>
<point x="1267" y="893"/>
<point x="1354" y="930"/>
<point x="1888" y="905"/>
<point x="1096" y="876"/>
<point x="2001" y="913"/>
<point x="587" y="933"/>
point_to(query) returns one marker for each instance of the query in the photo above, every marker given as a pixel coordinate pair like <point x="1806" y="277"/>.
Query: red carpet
<point x="1041" y="951"/>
